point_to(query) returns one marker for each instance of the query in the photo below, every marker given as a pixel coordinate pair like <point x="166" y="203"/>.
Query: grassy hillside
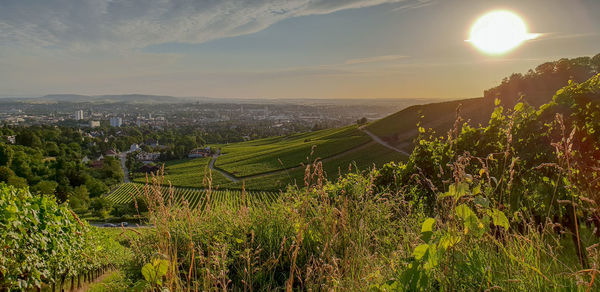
<point x="272" y="154"/>
<point x="400" y="129"/>
<point x="190" y="173"/>
<point x="364" y="157"/>
<point x="273" y="163"/>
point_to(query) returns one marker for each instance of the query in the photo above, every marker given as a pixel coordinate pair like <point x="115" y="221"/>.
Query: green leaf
<point x="148" y="272"/>
<point x="420" y="251"/>
<point x="519" y="106"/>
<point x="427" y="229"/>
<point x="499" y="219"/>
<point x="449" y="240"/>
<point x="463" y="211"/>
<point x="484" y="202"/>
<point x="427" y="225"/>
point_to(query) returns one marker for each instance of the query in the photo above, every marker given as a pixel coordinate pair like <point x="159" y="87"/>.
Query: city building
<point x="147" y="156"/>
<point x="200" y="152"/>
<point x="116" y="121"/>
<point x="78" y="115"/>
<point x="94" y="124"/>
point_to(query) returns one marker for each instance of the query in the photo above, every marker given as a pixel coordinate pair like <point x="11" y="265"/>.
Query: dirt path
<point x="85" y="286"/>
<point x="383" y="143"/>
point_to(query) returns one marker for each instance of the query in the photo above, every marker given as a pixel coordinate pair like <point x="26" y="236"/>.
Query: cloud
<point x="375" y="59"/>
<point x="132" y="24"/>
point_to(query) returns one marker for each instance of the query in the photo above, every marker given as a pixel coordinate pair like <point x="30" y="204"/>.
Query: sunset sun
<point x="498" y="32"/>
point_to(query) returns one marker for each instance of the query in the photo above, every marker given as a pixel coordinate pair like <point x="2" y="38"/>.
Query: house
<point x="110" y="152"/>
<point x="148" y="168"/>
<point x="199" y="152"/>
<point x="97" y="164"/>
<point x="85" y="160"/>
<point x="134" y="147"/>
<point x="11" y="139"/>
<point x="147" y="156"/>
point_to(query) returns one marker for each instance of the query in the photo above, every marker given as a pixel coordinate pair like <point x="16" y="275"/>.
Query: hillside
<point x="400" y="129"/>
<point x="273" y="163"/>
<point x="536" y="87"/>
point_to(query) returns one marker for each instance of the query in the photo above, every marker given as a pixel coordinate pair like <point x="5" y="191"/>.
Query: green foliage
<point x="155" y="271"/>
<point x="46" y="187"/>
<point x="101" y="207"/>
<point x="42" y="241"/>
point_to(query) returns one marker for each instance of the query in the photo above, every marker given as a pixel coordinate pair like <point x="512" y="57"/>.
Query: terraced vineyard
<point x="196" y="198"/>
<point x="274" y="154"/>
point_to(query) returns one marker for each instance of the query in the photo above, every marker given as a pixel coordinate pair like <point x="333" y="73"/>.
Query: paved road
<point x="123" y="157"/>
<point x="380" y="141"/>
<point x="211" y="165"/>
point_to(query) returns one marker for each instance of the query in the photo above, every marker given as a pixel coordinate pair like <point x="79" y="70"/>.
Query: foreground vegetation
<point x="45" y="244"/>
<point x="510" y="206"/>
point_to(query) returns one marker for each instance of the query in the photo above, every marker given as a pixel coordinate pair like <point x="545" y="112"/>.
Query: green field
<point x="363" y="158"/>
<point x="272" y="154"/>
<point x="273" y="163"/>
<point x="190" y="173"/>
<point x="195" y="198"/>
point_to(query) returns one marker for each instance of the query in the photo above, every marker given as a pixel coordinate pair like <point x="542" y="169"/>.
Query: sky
<point x="275" y="49"/>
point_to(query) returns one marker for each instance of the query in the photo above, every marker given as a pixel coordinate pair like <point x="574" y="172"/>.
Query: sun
<point x="498" y="32"/>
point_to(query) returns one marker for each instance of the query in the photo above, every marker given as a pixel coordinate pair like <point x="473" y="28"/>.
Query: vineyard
<point x="195" y="198"/>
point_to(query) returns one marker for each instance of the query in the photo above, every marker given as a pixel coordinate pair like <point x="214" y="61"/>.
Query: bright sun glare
<point x="498" y="32"/>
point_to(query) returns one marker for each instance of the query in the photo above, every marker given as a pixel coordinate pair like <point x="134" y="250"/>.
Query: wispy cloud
<point x="117" y="24"/>
<point x="375" y="59"/>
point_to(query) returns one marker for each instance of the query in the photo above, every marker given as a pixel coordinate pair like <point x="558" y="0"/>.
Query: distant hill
<point x="536" y="87"/>
<point x="126" y="98"/>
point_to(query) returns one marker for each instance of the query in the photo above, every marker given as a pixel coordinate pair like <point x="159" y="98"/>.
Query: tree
<point x="79" y="199"/>
<point x="362" y="121"/>
<point x="5" y="173"/>
<point x="52" y="149"/>
<point x="46" y="187"/>
<point x="95" y="187"/>
<point x="17" y="182"/>
<point x="6" y="154"/>
<point x="101" y="207"/>
<point x="29" y="138"/>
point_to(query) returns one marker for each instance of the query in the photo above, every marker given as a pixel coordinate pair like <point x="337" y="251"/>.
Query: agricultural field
<point x="273" y="163"/>
<point x="365" y="157"/>
<point x="196" y="198"/>
<point x="190" y="173"/>
<point x="273" y="154"/>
